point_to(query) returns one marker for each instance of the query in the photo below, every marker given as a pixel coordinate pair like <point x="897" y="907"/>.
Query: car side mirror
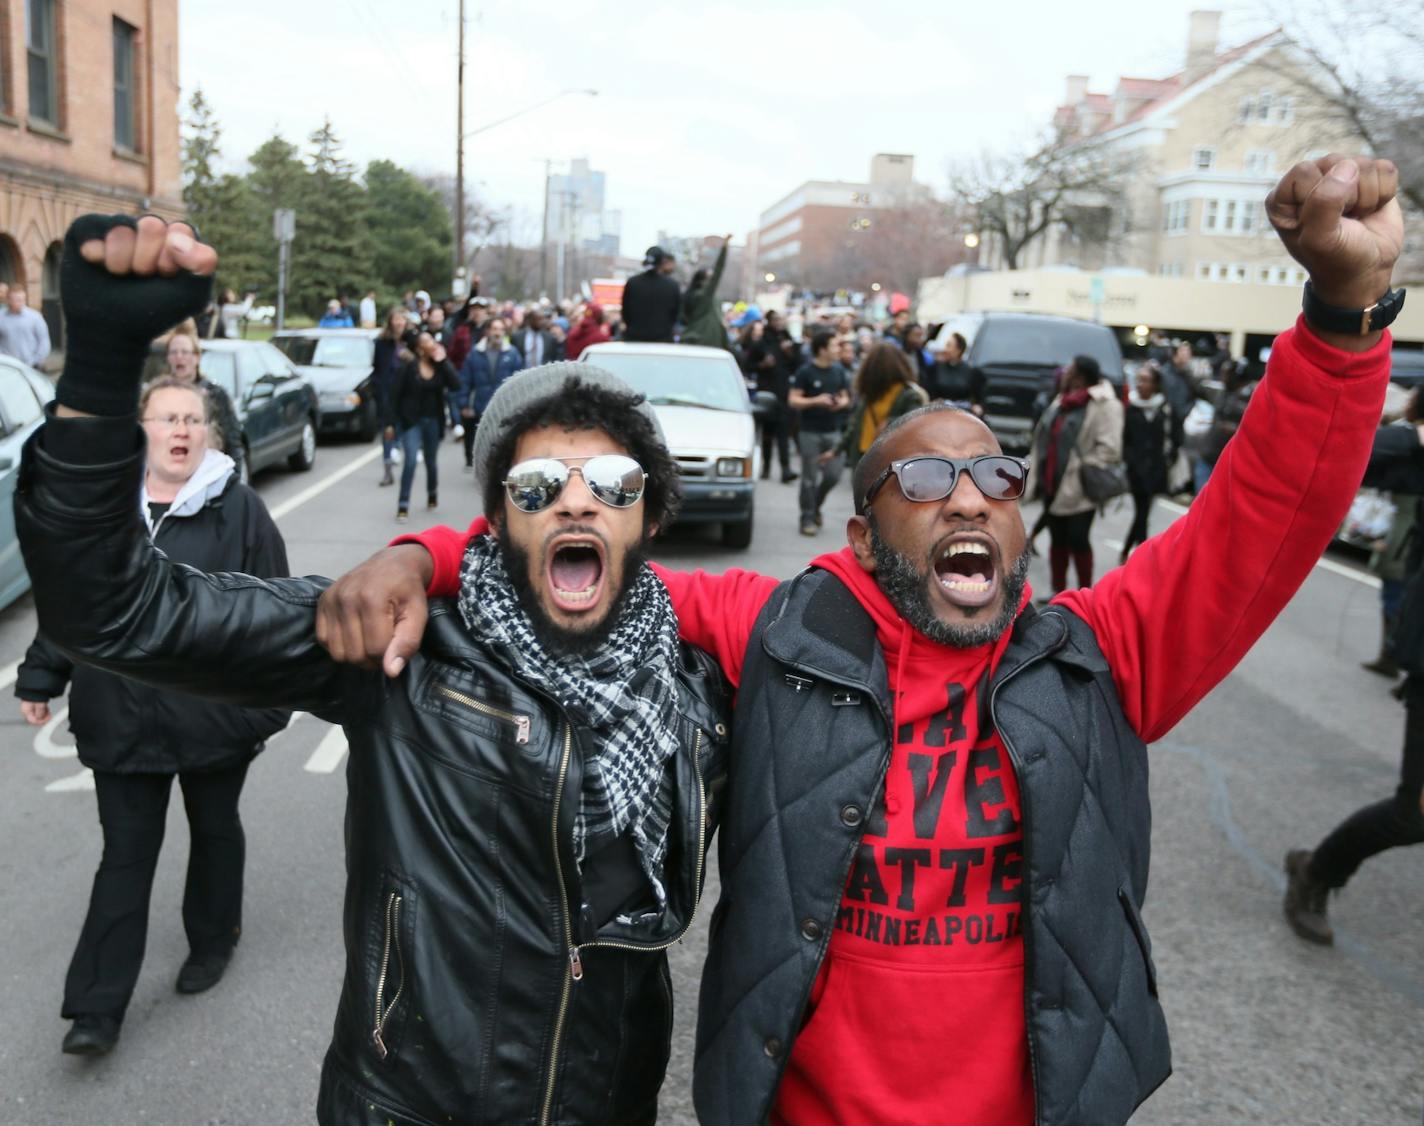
<point x="764" y="405"/>
<point x="262" y="389"/>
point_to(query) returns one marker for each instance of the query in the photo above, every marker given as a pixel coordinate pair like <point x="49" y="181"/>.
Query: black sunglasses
<point x="614" y="479"/>
<point x="930" y="478"/>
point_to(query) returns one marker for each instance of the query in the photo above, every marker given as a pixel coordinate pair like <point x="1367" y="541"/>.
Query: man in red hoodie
<point x="934" y="849"/>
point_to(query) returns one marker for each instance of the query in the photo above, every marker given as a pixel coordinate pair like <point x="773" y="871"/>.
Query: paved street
<point x="1265" y="1028"/>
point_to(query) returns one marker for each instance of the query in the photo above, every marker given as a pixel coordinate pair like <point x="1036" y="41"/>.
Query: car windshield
<point x="326" y="351"/>
<point x="1044" y="343"/>
<point x="684" y="381"/>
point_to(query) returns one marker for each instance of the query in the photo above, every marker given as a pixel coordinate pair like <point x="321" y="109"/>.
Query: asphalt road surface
<point x="1266" y="1029"/>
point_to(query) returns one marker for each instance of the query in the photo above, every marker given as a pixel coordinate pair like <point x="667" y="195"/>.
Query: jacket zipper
<point x="383" y="1011"/>
<point x="520" y="723"/>
<point x="575" y="963"/>
<point x="1023" y="816"/>
<point x="701" y="847"/>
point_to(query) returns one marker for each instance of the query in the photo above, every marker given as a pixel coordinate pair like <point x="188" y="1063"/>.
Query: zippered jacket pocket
<point x="391" y="948"/>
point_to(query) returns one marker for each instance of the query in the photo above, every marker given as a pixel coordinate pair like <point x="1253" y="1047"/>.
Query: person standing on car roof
<point x="652" y="300"/>
<point x="137" y="738"/>
<point x="701" y="311"/>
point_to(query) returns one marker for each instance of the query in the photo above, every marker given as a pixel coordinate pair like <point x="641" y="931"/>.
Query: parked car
<point x="23" y="395"/>
<point x="276" y="407"/>
<point x="702" y="404"/>
<point x="338" y="363"/>
<point x="1019" y="354"/>
<point x="1406" y="367"/>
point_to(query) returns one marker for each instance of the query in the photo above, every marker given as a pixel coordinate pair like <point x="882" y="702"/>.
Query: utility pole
<point x="544" y="236"/>
<point x="459" y="264"/>
<point x="284" y="229"/>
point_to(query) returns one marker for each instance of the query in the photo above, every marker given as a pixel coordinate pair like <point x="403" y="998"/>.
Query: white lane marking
<point x="1330" y="565"/>
<point x="325" y="483"/>
<point x="45" y="746"/>
<point x="74" y="783"/>
<point x="8" y="674"/>
<point x="329" y="752"/>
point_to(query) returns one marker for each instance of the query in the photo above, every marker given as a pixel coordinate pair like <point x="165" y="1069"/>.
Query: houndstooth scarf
<point x="625" y="692"/>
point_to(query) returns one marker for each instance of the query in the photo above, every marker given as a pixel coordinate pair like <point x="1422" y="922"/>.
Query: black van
<point x="1019" y="354"/>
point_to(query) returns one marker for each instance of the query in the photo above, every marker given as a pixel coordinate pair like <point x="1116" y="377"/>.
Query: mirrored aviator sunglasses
<point x="926" y="479"/>
<point x="615" y="479"/>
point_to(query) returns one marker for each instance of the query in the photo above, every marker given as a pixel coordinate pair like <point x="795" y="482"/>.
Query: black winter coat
<point x="126" y="727"/>
<point x="651" y="302"/>
<point x="814" y="687"/>
<point x="478" y="989"/>
<point x="416" y="397"/>
<point x="1149" y="446"/>
<point x="1397" y="465"/>
<point x="385" y="375"/>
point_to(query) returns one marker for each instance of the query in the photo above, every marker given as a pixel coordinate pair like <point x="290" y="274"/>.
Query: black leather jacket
<point x="478" y="989"/>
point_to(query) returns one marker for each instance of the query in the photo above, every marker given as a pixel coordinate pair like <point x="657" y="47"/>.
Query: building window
<point x="1259" y="162"/>
<point x="1203" y="158"/>
<point x="40" y="42"/>
<point x="1229" y="224"/>
<point x="1176" y="216"/>
<point x="1203" y="271"/>
<point x="1263" y="107"/>
<point x="125" y="91"/>
<point x="1285" y="111"/>
<point x="1210" y="211"/>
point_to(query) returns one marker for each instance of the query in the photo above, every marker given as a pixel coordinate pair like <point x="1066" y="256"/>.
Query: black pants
<point x="471" y="424"/>
<point x="1387" y="824"/>
<point x="1141" y="510"/>
<point x="1070" y="537"/>
<point x="132" y="810"/>
<point x="776" y="427"/>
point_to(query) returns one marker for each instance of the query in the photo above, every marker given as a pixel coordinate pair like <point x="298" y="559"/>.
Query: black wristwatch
<point x="1359" y="322"/>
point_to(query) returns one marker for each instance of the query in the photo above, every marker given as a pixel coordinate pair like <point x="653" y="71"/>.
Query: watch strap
<point x="1361" y="322"/>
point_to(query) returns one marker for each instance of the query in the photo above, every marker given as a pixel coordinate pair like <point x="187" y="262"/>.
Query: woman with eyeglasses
<point x="184" y="356"/>
<point x="133" y="737"/>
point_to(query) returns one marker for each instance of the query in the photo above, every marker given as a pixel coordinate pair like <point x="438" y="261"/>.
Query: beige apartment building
<point x="88" y="122"/>
<point x="1192" y="252"/>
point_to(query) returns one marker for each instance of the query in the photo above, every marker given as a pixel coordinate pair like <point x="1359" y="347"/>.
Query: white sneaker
<point x="395" y="455"/>
<point x="459" y="431"/>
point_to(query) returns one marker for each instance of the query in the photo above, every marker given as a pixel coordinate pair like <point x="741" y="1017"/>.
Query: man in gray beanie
<point x="528" y="804"/>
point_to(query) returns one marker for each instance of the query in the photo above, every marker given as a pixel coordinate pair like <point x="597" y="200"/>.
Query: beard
<point x="907" y="588"/>
<point x="558" y="639"/>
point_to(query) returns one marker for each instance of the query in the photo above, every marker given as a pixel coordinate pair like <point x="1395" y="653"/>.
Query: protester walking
<point x="516" y="872"/>
<point x="953" y="379"/>
<point x="1228" y="410"/>
<point x="885" y="389"/>
<point x="23" y="331"/>
<point x="1396" y="465"/>
<point x="184" y="356"/>
<point x="335" y="316"/>
<point x="701" y="311"/>
<point x="820" y="394"/>
<point x="493" y="360"/>
<point x="771" y="355"/>
<point x="1151" y="437"/>
<point x="389" y="356"/>
<point x="535" y="342"/>
<point x="419" y="410"/>
<point x="652" y="300"/>
<point x="137" y="739"/>
<point x="1082" y="427"/>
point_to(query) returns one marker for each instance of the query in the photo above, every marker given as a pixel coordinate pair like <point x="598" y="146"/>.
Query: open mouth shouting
<point x="966" y="568"/>
<point x="577" y="573"/>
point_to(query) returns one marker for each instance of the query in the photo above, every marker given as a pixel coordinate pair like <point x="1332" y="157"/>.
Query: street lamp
<point x="971" y="240"/>
<point x="874" y="287"/>
<point x="770" y="278"/>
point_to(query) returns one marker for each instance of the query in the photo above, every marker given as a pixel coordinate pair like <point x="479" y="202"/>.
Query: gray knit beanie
<point x="534" y="385"/>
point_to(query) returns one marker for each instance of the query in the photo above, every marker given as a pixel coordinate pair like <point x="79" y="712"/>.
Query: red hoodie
<point x="924" y="974"/>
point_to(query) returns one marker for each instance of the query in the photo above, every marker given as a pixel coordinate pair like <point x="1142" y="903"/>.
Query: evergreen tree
<point x="219" y="205"/>
<point x="409" y="225"/>
<point x="277" y="179"/>
<point x="331" y="254"/>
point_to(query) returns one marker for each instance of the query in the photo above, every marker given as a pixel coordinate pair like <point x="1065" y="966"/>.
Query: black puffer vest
<point x="811" y="743"/>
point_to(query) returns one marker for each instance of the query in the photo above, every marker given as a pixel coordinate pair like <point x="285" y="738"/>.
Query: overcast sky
<point x="707" y="112"/>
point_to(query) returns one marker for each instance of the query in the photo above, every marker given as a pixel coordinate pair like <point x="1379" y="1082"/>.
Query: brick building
<point x="88" y="122"/>
<point x="815" y="235"/>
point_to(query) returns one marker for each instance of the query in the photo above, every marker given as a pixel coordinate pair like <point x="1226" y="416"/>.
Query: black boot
<point x="1384" y="664"/>
<point x="201" y="972"/>
<point x="1305" y="902"/>
<point x="91" y="1035"/>
<point x="388" y="478"/>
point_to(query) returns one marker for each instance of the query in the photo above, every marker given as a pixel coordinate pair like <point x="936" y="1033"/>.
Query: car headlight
<point x="732" y="467"/>
<point x="340" y="400"/>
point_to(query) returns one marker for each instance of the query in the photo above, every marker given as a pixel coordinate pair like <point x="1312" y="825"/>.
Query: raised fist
<point x="122" y="282"/>
<point x="1339" y="218"/>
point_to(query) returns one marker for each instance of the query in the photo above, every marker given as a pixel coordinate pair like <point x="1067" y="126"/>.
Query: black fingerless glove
<point x="110" y="321"/>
